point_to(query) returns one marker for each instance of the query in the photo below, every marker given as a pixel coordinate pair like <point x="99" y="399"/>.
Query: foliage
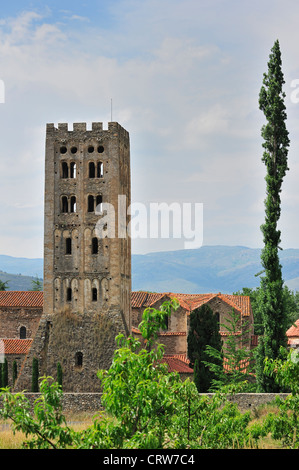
<point x="203" y="331"/>
<point x="238" y="361"/>
<point x="37" y="284"/>
<point x="46" y="424"/>
<point x="146" y="406"/>
<point x="290" y="300"/>
<point x="284" y="425"/>
<point x="3" y="285"/>
<point x="276" y="142"/>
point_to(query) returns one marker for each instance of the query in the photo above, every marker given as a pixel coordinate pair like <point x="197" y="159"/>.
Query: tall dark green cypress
<point x="203" y="331"/>
<point x="35" y="375"/>
<point x="276" y="143"/>
<point x="5" y="373"/>
<point x="59" y="374"/>
<point x="14" y="372"/>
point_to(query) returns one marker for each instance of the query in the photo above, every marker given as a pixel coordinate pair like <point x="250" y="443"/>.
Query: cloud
<point x="184" y="81"/>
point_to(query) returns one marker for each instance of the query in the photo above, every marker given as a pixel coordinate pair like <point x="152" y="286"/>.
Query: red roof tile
<point x="293" y="330"/>
<point x="15" y="346"/>
<point x="177" y="363"/>
<point x="33" y="299"/>
<point x="192" y="301"/>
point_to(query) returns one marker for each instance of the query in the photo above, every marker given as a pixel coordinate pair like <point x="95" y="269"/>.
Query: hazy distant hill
<point x="223" y="269"/>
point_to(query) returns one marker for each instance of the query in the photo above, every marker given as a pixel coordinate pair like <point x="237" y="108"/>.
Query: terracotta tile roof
<point x="15" y="346"/>
<point x="31" y="299"/>
<point x="293" y="330"/>
<point x="177" y="363"/>
<point x="166" y="333"/>
<point x="192" y="301"/>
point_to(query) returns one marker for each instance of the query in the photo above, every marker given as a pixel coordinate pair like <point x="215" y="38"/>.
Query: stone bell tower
<point x="87" y="255"/>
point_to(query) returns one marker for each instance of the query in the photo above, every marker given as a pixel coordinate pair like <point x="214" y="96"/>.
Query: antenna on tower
<point x="111" y="109"/>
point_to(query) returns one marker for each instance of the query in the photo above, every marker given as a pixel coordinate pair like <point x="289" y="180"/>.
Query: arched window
<point x="73" y="204"/>
<point x="100" y="170"/>
<point x="64" y="204"/>
<point x="64" y="170"/>
<point x="69" y="294"/>
<point x="99" y="203"/>
<point x="73" y="169"/>
<point x="94" y="294"/>
<point x="68" y="246"/>
<point x="95" y="246"/>
<point x="23" y="332"/>
<point x="92" y="171"/>
<point x="79" y="359"/>
<point x="90" y="204"/>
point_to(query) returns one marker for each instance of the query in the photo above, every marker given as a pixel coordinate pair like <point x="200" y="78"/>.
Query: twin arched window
<point x="68" y="170"/>
<point x="68" y="204"/>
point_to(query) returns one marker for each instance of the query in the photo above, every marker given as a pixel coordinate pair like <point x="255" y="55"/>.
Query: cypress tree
<point x="276" y="142"/>
<point x="59" y="374"/>
<point x="35" y="374"/>
<point x="14" y="372"/>
<point x="203" y="331"/>
<point x="1" y="384"/>
<point x="5" y="373"/>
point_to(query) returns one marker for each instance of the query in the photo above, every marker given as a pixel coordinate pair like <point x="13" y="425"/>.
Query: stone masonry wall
<point x="91" y="402"/>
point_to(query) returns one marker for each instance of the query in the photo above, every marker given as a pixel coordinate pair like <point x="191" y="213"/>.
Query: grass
<point x="80" y="421"/>
<point x="11" y="440"/>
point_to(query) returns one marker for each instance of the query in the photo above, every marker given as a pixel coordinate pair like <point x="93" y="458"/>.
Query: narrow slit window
<point x="90" y="203"/>
<point x="64" y="170"/>
<point x="79" y="359"/>
<point x="23" y="332"/>
<point x="94" y="294"/>
<point x="95" y="246"/>
<point x="73" y="204"/>
<point x="92" y="172"/>
<point x="69" y="294"/>
<point x="73" y="169"/>
<point x="99" y="204"/>
<point x="68" y="246"/>
<point x="64" y="204"/>
<point x="100" y="170"/>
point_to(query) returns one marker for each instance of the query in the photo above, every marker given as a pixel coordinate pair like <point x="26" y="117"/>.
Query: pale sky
<point x="184" y="78"/>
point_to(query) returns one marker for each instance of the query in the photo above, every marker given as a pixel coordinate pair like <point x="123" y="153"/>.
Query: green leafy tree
<point x="290" y="300"/>
<point x="37" y="284"/>
<point x="3" y="285"/>
<point x="46" y="426"/>
<point x="146" y="407"/>
<point x="283" y="425"/>
<point x="234" y="364"/>
<point x="203" y="331"/>
<point x="276" y="143"/>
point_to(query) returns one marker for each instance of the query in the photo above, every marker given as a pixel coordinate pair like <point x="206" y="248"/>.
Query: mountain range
<point x="225" y="269"/>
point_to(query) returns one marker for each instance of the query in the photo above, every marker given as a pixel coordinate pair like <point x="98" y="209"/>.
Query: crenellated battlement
<point x="81" y="127"/>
